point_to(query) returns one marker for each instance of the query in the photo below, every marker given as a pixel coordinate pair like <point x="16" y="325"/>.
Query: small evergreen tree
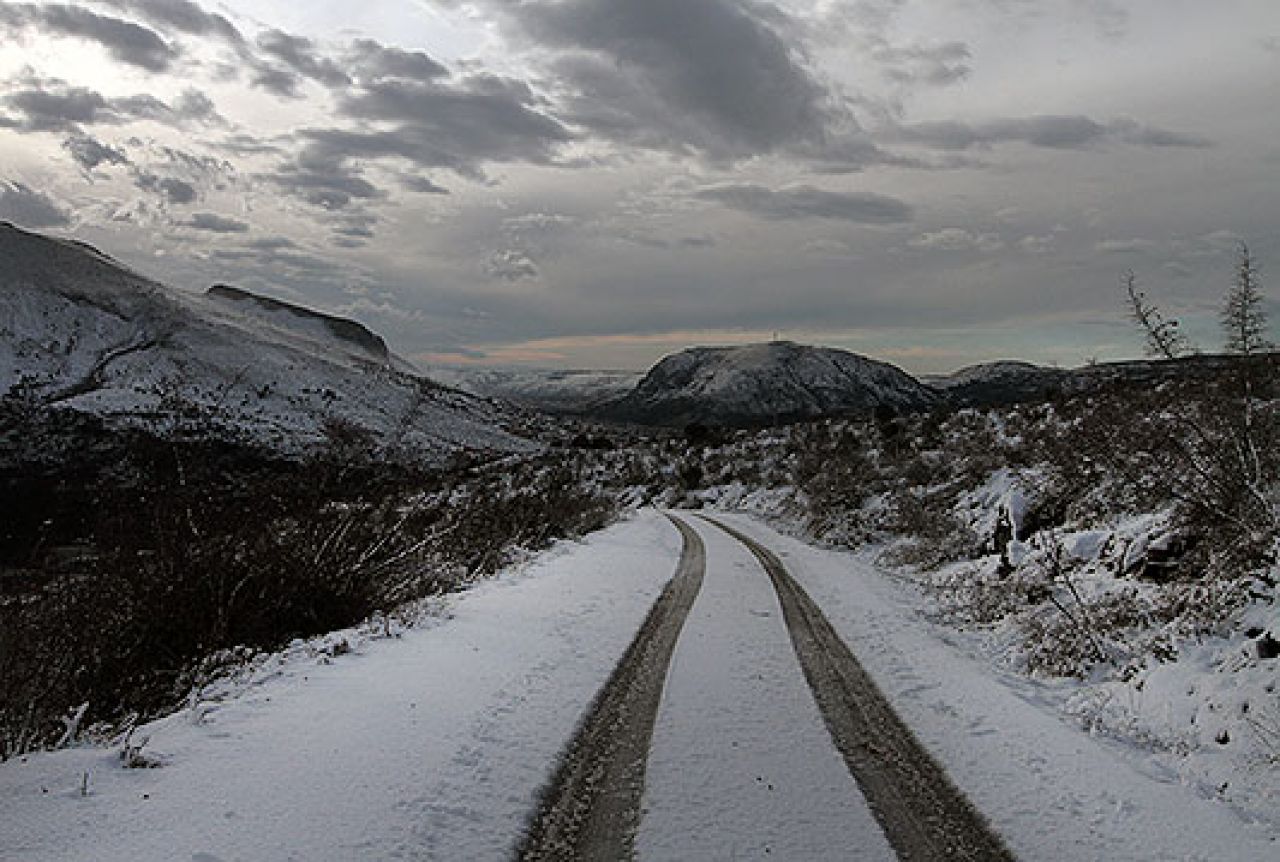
<point x="1244" y="320"/>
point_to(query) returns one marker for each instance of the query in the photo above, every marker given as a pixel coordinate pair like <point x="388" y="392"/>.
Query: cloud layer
<point x="499" y="179"/>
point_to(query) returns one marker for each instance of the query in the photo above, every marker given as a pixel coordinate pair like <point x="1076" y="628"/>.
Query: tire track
<point x="591" y="807"/>
<point x="924" y="816"/>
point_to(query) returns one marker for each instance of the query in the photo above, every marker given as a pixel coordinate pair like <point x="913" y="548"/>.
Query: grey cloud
<point x="356" y="227"/>
<point x="372" y="60"/>
<point x="1068" y="132"/>
<point x="957" y="239"/>
<point x="322" y="177"/>
<point x="271" y="243"/>
<point x="23" y="205"/>
<point x="278" y="81"/>
<point x="937" y="65"/>
<point x="195" y="105"/>
<point x="89" y="152"/>
<point x="171" y="189"/>
<point x="480" y="118"/>
<point x="214" y="223"/>
<point x="124" y="40"/>
<point x="51" y="105"/>
<point x="180" y="15"/>
<point x="242" y="144"/>
<point x="275" y="260"/>
<point x="421" y="185"/>
<point x="302" y="56"/>
<point x="459" y="126"/>
<point x="511" y="264"/>
<point x="58" y="107"/>
<point x="804" y="202"/>
<point x="708" y="75"/>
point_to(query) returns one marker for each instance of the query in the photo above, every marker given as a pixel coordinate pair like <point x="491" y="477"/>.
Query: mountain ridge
<point x="80" y="331"/>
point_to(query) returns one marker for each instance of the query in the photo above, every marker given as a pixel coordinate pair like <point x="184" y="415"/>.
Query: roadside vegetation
<point x="131" y="566"/>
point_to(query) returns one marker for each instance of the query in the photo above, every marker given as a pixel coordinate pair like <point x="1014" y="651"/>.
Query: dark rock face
<point x="342" y="328"/>
<point x="762" y="384"/>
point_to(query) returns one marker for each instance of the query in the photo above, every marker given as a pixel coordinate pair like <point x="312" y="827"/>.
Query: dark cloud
<point x="124" y="40"/>
<point x="170" y="189"/>
<point x="421" y="185"/>
<point x="370" y="61"/>
<point x="192" y="104"/>
<point x="214" y="223"/>
<point x="271" y="243"/>
<point x="50" y="105"/>
<point x="89" y="152"/>
<point x="483" y="118"/>
<point x="54" y="106"/>
<point x="243" y="144"/>
<point x="460" y="126"/>
<point x="302" y="57"/>
<point x="1069" y="132"/>
<point x="322" y="175"/>
<point x="25" y="206"/>
<point x="179" y="15"/>
<point x="806" y="202"/>
<point x="278" y="81"/>
<point x="710" y="76"/>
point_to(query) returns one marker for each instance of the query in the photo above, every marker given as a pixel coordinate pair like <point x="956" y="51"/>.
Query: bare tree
<point x="1164" y="339"/>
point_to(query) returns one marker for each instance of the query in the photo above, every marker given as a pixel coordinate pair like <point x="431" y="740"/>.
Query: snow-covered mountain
<point x="998" y="383"/>
<point x="762" y="383"/>
<point x="547" y="389"/>
<point x="79" y="330"/>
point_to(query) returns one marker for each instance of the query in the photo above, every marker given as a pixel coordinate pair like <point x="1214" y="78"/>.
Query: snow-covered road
<point x="435" y="745"/>
<point x="741" y="765"/>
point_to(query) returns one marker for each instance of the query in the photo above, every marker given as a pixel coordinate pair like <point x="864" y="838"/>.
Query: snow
<point x="741" y="765"/>
<point x="432" y="745"/>
<point x="1054" y="791"/>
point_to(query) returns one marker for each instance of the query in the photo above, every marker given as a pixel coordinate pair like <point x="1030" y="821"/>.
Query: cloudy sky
<point x="594" y="183"/>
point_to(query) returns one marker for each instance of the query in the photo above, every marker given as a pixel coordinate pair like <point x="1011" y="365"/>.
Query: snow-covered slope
<point x="79" y="330"/>
<point x="762" y="383"/>
<point x="551" y="390"/>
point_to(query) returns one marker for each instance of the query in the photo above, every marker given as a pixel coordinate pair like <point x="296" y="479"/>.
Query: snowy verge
<point x="1053" y="790"/>
<point x="430" y="745"/>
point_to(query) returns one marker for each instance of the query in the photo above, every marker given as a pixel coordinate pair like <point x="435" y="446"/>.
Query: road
<point x="739" y="725"/>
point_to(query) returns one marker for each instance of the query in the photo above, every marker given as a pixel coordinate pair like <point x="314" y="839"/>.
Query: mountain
<point x="79" y="330"/>
<point x="286" y="315"/>
<point x="1002" y="382"/>
<point x="759" y="384"/>
<point x="545" y="389"/>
